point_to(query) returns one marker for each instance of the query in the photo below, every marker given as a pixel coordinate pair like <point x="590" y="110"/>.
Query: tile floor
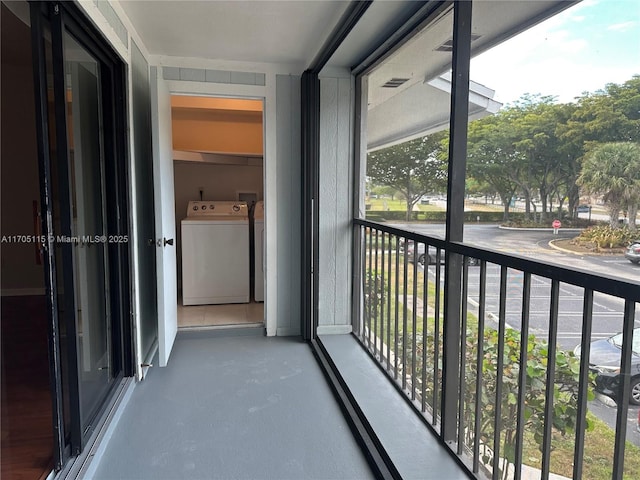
<point x="219" y="315"/>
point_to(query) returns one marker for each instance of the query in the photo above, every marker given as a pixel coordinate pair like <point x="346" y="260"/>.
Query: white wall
<point x="336" y="179"/>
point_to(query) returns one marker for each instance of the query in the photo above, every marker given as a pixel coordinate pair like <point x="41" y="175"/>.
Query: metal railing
<point x="522" y="392"/>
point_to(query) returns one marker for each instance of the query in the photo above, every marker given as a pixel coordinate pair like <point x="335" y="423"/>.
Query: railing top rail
<point x="602" y="283"/>
<point x="432" y="241"/>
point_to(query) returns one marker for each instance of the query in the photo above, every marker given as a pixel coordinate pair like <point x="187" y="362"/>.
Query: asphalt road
<point x="607" y="311"/>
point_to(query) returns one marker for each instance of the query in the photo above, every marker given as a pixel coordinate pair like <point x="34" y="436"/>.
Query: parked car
<point x="430" y="257"/>
<point x="583" y="209"/>
<point x="633" y="252"/>
<point x="604" y="361"/>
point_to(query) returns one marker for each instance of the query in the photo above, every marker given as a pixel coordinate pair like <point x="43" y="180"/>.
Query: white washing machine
<point x="215" y="253"/>
<point x="258" y="247"/>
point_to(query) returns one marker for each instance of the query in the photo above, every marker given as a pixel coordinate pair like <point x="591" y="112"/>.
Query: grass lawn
<point x="385" y="204"/>
<point x="598" y="453"/>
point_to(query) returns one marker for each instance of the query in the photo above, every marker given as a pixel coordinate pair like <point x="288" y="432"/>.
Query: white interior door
<point x="165" y="215"/>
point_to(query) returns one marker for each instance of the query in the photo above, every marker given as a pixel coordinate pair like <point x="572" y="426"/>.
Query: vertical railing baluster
<point x="522" y="373"/>
<point x="482" y="297"/>
<point x="365" y="283"/>
<point x="425" y="314"/>
<point x="405" y="287"/>
<point x="397" y="313"/>
<point x="551" y="379"/>
<point x="414" y="321"/>
<point x="497" y="421"/>
<point x="383" y="294"/>
<point x="583" y="387"/>
<point x="436" y="335"/>
<point x="463" y="354"/>
<point x="369" y="273"/>
<point x="624" y="389"/>
<point x="375" y="296"/>
<point x="389" y="307"/>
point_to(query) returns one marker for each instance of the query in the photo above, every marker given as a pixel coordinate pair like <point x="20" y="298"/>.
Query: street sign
<point x="556" y="224"/>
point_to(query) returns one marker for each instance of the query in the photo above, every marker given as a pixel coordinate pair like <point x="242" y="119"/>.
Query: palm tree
<point x="613" y="170"/>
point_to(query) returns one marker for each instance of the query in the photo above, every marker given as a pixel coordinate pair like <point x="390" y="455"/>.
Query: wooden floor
<point x="27" y="437"/>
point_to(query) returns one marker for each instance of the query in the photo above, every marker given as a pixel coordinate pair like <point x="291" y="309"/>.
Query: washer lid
<point x="215" y="219"/>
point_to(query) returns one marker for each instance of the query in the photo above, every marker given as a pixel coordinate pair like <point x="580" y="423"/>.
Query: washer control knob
<point x="236" y="208"/>
<point x="195" y="208"/>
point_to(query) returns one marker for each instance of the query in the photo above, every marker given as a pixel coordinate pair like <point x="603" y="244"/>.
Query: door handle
<point x="168" y="241"/>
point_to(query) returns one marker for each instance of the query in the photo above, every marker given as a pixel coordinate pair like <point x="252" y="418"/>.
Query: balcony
<point x="246" y="406"/>
<point x="253" y="407"/>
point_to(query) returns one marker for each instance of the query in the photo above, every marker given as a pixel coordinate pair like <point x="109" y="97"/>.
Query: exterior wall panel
<point x="336" y="170"/>
<point x="289" y="202"/>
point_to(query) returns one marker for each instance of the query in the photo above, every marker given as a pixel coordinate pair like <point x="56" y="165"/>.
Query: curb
<point x="573" y="230"/>
<point x="582" y="254"/>
<point x="564" y="250"/>
<point x="608" y="401"/>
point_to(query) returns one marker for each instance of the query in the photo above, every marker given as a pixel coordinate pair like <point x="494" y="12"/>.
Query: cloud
<point x="563" y="56"/>
<point x="622" y="27"/>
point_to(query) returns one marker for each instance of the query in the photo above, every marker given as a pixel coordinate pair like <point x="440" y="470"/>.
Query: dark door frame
<point x="66" y="17"/>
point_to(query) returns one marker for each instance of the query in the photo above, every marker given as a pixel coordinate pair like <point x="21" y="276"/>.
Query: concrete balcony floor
<point x="232" y="407"/>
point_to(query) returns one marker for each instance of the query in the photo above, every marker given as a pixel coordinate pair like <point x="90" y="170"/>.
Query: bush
<point x="566" y="223"/>
<point x="605" y="237"/>
<point x="439" y="216"/>
<point x="565" y="394"/>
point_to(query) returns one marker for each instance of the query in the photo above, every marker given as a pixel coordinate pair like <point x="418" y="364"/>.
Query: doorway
<point x="218" y="159"/>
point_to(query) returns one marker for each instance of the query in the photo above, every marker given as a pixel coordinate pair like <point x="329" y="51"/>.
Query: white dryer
<point x="215" y="253"/>
<point x="258" y="246"/>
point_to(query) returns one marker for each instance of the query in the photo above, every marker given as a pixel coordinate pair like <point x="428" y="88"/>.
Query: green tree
<point x="412" y="168"/>
<point x="552" y="167"/>
<point x="492" y="157"/>
<point x="613" y="170"/>
<point x="608" y="115"/>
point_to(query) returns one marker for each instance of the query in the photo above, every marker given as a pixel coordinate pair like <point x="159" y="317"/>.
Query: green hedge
<point x="440" y="217"/>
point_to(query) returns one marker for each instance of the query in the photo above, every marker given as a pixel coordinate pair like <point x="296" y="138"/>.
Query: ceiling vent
<point x="448" y="45"/>
<point x="395" y="82"/>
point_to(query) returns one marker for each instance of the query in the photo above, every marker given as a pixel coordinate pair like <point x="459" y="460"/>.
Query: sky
<point x="579" y="50"/>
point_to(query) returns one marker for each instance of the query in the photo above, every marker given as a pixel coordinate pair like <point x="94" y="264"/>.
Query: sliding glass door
<point x="86" y="177"/>
<point x="80" y="103"/>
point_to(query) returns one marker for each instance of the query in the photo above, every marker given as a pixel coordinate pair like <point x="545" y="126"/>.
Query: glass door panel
<point x="87" y="195"/>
